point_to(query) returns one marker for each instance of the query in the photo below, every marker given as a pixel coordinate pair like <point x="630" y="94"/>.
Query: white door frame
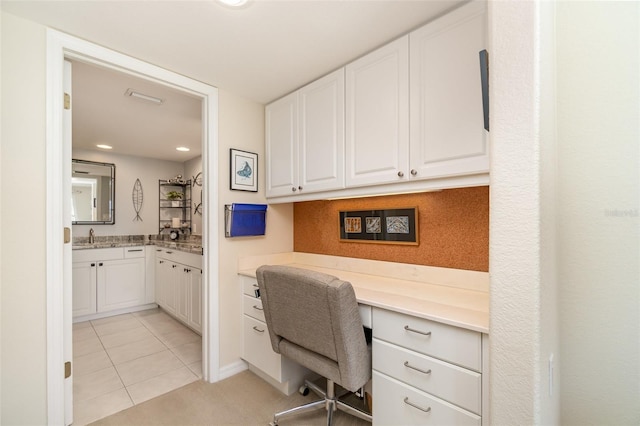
<point x="59" y="47"/>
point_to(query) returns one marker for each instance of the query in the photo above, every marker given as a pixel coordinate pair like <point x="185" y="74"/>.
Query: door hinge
<point x="67" y="369"/>
<point x="67" y="235"/>
<point x="67" y="101"/>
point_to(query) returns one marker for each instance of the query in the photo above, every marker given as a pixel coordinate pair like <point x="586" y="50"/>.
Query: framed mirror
<point x="93" y="190"/>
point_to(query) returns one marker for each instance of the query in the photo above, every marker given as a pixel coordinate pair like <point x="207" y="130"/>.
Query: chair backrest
<point x="313" y="318"/>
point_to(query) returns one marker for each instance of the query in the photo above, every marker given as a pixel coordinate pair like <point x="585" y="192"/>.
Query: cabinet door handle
<point x="173" y="266"/>
<point x="400" y="173"/>
<point x="406" y="364"/>
<point x="257" y="308"/>
<point x="424" y="333"/>
<point x="294" y="189"/>
<point x="100" y="264"/>
<point x="414" y="172"/>
<point x="169" y="252"/>
<point x="257" y="329"/>
<point x="134" y="250"/>
<point x="162" y="261"/>
<point x="406" y="401"/>
<point x="484" y="81"/>
<point x="93" y="264"/>
<point x="158" y="250"/>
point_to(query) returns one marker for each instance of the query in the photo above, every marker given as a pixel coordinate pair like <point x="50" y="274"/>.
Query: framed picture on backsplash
<point x="387" y="226"/>
<point x="244" y="171"/>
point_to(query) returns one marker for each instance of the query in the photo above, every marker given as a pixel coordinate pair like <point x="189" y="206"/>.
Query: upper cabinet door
<point x="447" y="132"/>
<point x="281" y="122"/>
<point x="377" y="116"/>
<point x="321" y="120"/>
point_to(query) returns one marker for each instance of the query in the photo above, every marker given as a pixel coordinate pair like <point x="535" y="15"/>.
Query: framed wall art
<point x="244" y="171"/>
<point x="388" y="226"/>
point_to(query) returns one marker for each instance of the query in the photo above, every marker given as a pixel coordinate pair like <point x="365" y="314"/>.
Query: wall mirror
<point x="93" y="189"/>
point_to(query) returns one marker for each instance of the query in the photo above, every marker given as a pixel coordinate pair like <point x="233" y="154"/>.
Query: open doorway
<point x="62" y="47"/>
<point x="125" y="349"/>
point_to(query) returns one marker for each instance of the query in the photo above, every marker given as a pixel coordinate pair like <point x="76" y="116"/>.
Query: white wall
<point x="598" y="133"/>
<point x="242" y="127"/>
<point x="128" y="169"/>
<point x="23" y="307"/>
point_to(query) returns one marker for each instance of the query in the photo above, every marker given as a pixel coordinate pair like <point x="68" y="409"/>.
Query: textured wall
<point x="453" y="225"/>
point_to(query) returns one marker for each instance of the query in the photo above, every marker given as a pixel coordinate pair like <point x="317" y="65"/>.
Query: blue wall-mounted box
<point x="243" y="220"/>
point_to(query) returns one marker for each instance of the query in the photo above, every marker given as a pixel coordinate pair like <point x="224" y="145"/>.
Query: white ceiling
<point x="261" y="51"/>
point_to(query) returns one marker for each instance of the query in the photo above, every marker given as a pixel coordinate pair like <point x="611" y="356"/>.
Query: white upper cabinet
<point x="281" y="122"/>
<point x="305" y="139"/>
<point x="447" y="130"/>
<point x="377" y="116"/>
<point x="321" y="148"/>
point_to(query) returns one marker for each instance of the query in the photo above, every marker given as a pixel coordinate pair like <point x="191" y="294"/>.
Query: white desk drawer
<point x="452" y="344"/>
<point x="366" y="315"/>
<point x="257" y="348"/>
<point x="253" y="307"/>
<point x="133" y="252"/>
<point x="454" y="384"/>
<point x="392" y="401"/>
<point x="249" y="286"/>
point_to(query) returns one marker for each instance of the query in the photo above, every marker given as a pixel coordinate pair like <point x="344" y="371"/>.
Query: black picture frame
<point x="243" y="166"/>
<point x="385" y="226"/>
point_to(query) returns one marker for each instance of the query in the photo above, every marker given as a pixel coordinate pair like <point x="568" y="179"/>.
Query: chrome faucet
<point x="92" y="236"/>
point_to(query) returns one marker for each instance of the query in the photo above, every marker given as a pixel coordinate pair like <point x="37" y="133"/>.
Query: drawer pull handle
<point x="255" y="285"/>
<point x="424" y="333"/>
<point x="134" y="250"/>
<point x="257" y="308"/>
<point x="406" y="401"/>
<point x="406" y="364"/>
<point x="257" y="329"/>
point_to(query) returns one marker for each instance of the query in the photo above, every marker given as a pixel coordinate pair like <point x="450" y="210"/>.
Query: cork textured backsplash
<point x="453" y="226"/>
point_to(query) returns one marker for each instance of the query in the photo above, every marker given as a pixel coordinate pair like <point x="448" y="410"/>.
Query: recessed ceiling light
<point x="183" y="149"/>
<point x="132" y="93"/>
<point x="103" y="146"/>
<point x="234" y="3"/>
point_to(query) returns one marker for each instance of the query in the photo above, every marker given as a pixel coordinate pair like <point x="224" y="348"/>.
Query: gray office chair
<point x="313" y="319"/>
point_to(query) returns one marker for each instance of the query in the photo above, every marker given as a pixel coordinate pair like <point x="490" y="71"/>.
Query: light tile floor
<point x="127" y="359"/>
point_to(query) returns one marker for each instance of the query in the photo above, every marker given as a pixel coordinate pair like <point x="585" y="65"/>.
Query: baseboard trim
<point x="232" y="369"/>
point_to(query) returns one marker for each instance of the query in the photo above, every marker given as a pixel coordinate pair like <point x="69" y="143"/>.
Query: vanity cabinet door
<point x="182" y="292"/>
<point x="195" y="299"/>
<point x="121" y="284"/>
<point x="84" y="288"/>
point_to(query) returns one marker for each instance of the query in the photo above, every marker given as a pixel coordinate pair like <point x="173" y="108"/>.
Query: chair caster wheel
<point x="304" y="390"/>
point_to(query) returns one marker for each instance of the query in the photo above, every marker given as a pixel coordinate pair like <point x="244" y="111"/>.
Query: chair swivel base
<point x="329" y="402"/>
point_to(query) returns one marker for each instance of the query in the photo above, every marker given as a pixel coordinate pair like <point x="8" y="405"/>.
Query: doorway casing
<point x="58" y="267"/>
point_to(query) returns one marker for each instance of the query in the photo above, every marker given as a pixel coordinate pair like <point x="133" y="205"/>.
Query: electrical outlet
<point x="551" y="375"/>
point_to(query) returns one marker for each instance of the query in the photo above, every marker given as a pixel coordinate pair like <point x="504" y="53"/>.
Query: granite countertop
<point x="185" y="246"/>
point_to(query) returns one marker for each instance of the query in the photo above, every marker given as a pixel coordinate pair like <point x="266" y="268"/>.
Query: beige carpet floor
<point x="244" y="399"/>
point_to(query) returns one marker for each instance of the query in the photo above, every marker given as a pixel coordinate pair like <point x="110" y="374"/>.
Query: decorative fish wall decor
<point x="137" y="197"/>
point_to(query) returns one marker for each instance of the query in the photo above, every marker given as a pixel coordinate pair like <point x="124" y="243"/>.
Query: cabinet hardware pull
<point x="257" y="329"/>
<point x="134" y="250"/>
<point x="400" y="173"/>
<point x="425" y="333"/>
<point x="414" y="172"/>
<point x="100" y="264"/>
<point x="169" y="252"/>
<point x="255" y="285"/>
<point x="406" y="364"/>
<point x="158" y="250"/>
<point x="406" y="401"/>
<point x="93" y="264"/>
<point x="294" y="189"/>
<point x="257" y="309"/>
<point x="173" y="266"/>
<point x="162" y="261"/>
<point x="300" y="188"/>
